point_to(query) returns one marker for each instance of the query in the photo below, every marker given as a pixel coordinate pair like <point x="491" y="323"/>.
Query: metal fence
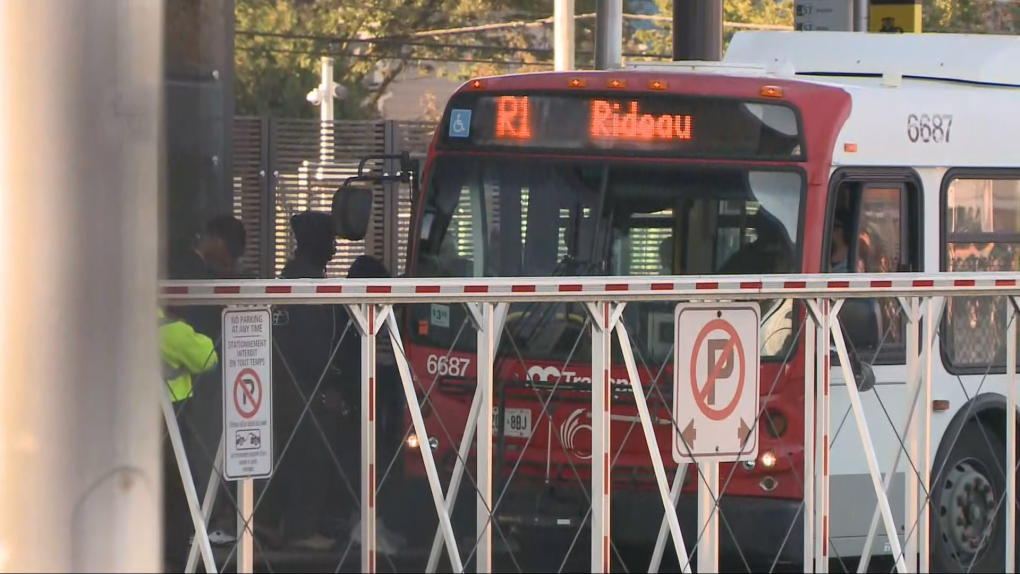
<point x="285" y="166"/>
<point x="846" y="436"/>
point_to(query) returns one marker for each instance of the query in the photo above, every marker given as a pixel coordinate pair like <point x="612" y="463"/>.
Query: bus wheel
<point x="967" y="521"/>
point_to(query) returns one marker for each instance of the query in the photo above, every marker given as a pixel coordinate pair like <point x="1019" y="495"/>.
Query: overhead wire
<point x="440" y="46"/>
<point x="504" y="25"/>
<point x="410" y="57"/>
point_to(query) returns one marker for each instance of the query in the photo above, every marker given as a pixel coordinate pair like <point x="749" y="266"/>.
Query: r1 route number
<point x="929" y="128"/>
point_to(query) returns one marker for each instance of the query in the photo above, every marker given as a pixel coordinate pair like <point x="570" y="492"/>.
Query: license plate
<point x="517" y="423"/>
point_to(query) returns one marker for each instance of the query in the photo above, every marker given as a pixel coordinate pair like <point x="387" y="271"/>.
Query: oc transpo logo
<point x="571" y="429"/>
<point x="552" y="375"/>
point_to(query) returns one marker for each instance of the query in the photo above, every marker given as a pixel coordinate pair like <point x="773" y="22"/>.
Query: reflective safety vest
<point x="185" y="353"/>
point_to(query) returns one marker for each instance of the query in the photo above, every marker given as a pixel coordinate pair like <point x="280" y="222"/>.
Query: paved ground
<point x="534" y="556"/>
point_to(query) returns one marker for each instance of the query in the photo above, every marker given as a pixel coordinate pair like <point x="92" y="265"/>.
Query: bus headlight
<point x="768" y="459"/>
<point x="413" y="442"/>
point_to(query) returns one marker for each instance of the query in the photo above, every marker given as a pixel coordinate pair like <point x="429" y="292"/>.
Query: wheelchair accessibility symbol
<point x="460" y="123"/>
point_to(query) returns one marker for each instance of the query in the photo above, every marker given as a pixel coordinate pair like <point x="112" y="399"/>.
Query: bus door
<point x="873" y="225"/>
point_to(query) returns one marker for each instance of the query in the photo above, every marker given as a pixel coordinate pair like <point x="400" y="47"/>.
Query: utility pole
<point x="326" y="88"/>
<point x="81" y="167"/>
<point x="697" y="30"/>
<point x="563" y="35"/>
<point x="323" y="96"/>
<point x="861" y="8"/>
<point x="608" y="34"/>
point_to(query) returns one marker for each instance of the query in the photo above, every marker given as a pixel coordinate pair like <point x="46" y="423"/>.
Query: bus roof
<point x="887" y="126"/>
<point x="898" y="83"/>
<point x="980" y="59"/>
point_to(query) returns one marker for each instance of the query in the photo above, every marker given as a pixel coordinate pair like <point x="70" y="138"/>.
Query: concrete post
<point x="80" y="444"/>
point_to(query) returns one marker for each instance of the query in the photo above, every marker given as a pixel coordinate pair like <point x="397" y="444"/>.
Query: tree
<point x="279" y="43"/>
<point x="969" y="16"/>
<point x="659" y="40"/>
<point x="373" y="41"/>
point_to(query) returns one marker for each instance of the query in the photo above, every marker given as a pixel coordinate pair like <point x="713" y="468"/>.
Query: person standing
<point x="306" y="335"/>
<point x="838" y="258"/>
<point x="216" y="255"/>
<point x="185" y="354"/>
<point x="390" y="408"/>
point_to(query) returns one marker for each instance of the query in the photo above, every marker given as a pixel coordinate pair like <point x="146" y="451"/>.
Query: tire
<point x="971" y="481"/>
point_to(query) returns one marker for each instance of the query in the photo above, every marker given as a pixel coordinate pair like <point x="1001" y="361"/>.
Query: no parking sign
<point x="247" y="393"/>
<point x="716" y="381"/>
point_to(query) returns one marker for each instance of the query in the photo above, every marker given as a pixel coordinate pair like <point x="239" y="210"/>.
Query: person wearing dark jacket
<point x="216" y="254"/>
<point x="390" y="407"/>
<point x="305" y="335"/>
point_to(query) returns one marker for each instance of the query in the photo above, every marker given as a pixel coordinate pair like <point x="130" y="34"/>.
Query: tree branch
<point x="391" y="74"/>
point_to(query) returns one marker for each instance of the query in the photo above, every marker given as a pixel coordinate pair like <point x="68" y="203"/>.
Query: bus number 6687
<point x="447" y="366"/>
<point x="929" y="128"/>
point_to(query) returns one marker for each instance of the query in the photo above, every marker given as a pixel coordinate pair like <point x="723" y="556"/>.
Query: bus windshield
<point x="523" y="217"/>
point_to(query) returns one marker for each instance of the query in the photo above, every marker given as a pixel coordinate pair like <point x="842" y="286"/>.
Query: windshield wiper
<point x="571" y="265"/>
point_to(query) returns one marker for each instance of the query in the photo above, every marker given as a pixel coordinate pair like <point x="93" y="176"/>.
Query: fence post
<point x="268" y="177"/>
<point x="391" y="198"/>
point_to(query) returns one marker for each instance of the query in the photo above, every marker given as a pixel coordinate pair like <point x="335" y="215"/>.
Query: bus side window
<point x="981" y="223"/>
<point x="884" y="237"/>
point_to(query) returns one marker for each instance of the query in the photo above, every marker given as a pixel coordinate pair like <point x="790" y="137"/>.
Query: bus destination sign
<point x="654" y="124"/>
<point x="609" y="121"/>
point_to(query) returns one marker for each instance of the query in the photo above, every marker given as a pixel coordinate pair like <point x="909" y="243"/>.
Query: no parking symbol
<point x="247" y="392"/>
<point x="716" y="382"/>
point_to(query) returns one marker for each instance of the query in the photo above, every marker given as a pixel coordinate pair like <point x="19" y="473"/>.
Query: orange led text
<point x="609" y="121"/>
<point x="513" y="118"/>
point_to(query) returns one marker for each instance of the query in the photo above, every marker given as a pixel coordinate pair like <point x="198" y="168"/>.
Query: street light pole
<point x="323" y="96"/>
<point x="325" y="113"/>
<point x="608" y="34"/>
<point x="326" y="88"/>
<point x="563" y="35"/>
<point x="697" y="30"/>
<point x="860" y="10"/>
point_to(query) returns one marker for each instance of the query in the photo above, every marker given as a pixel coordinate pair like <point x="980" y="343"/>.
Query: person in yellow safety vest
<point x="185" y="353"/>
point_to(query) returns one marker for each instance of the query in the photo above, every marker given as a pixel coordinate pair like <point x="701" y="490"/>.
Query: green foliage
<point x="373" y="41"/>
<point x="970" y="16"/>
<point x="272" y="76"/>
<point x="658" y="41"/>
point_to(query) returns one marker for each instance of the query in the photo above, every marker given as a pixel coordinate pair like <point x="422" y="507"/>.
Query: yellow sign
<point x="894" y="16"/>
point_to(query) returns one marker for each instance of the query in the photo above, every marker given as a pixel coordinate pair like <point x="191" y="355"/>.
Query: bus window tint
<point x="528" y="218"/>
<point x="982" y="223"/>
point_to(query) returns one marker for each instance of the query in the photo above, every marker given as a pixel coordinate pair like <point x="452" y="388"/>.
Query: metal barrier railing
<point x="724" y="332"/>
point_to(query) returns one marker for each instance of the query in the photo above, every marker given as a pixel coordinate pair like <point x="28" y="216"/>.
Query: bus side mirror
<point x="352" y="211"/>
<point x="860" y="321"/>
<point x="864" y="375"/>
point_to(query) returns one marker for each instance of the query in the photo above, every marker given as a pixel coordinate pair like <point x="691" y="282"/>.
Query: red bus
<point x="653" y="170"/>
<point x="620" y="173"/>
<point x="810" y="156"/>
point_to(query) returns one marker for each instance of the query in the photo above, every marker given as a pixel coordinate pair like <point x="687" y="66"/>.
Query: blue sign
<point x="460" y="123"/>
